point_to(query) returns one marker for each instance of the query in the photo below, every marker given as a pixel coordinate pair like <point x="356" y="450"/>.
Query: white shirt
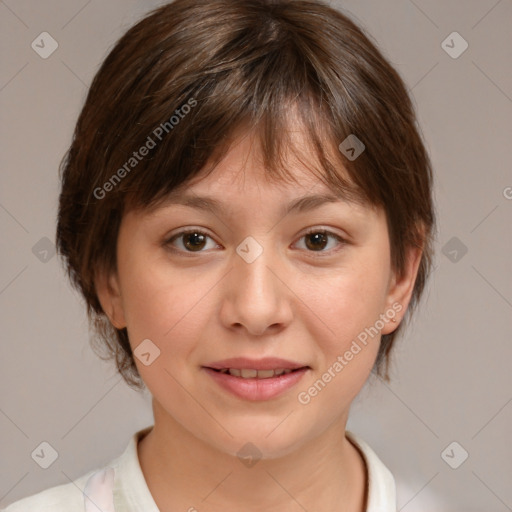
<point x="120" y="486"/>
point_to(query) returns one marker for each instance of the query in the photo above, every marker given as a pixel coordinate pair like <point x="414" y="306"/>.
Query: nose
<point x="255" y="296"/>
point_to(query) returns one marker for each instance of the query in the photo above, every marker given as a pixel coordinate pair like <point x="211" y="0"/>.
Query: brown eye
<point x="318" y="240"/>
<point x="189" y="241"/>
<point x="194" y="241"/>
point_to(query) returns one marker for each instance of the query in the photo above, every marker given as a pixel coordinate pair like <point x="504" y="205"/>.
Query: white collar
<point x="381" y="483"/>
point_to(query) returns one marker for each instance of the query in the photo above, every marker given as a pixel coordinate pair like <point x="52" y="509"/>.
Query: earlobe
<point x="109" y="295"/>
<point x="401" y="288"/>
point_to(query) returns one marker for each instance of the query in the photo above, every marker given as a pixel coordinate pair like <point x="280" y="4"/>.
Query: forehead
<point x="241" y="176"/>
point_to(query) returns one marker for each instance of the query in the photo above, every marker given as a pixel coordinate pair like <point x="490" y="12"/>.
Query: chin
<point x="255" y="439"/>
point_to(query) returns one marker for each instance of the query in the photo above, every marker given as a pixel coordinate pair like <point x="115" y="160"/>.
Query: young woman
<point x="246" y="208"/>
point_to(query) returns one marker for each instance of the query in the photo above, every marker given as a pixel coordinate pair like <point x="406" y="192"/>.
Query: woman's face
<point x="250" y="285"/>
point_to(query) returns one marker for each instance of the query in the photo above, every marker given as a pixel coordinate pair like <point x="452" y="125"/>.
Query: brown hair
<point x="184" y="78"/>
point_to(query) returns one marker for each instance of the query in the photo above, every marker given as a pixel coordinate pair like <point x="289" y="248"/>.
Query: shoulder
<point x="96" y="490"/>
<point x="61" y="498"/>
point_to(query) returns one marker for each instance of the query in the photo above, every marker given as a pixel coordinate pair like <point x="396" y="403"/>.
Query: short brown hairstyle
<point x="235" y="63"/>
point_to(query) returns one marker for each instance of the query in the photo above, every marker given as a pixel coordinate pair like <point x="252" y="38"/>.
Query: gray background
<point x="452" y="380"/>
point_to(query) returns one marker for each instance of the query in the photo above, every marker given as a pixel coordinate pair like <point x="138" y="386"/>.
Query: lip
<point x="255" y="389"/>
<point x="267" y="363"/>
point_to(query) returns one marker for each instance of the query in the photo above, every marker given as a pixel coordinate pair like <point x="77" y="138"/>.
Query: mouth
<point x="256" y="380"/>
<point x="252" y="373"/>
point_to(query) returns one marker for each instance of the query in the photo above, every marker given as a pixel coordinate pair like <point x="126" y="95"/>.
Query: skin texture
<point x="292" y="302"/>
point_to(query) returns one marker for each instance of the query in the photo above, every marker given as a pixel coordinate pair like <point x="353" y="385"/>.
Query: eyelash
<point x="319" y="254"/>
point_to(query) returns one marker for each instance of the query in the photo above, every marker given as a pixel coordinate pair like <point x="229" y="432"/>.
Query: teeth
<point x="249" y="373"/>
<point x="264" y="374"/>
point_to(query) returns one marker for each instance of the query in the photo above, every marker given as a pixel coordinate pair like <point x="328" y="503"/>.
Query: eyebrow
<point x="206" y="203"/>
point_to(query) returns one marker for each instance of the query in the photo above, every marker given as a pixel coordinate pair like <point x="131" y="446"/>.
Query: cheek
<point x="347" y="306"/>
<point x="148" y="310"/>
<point x="158" y="312"/>
<point x="343" y="328"/>
<point x="166" y="307"/>
<point x="349" y="301"/>
<point x="145" y="309"/>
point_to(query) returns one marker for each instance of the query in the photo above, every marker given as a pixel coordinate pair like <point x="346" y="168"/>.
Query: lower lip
<point x="257" y="389"/>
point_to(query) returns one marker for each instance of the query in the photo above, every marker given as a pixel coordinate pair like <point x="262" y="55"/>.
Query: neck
<point x="185" y="473"/>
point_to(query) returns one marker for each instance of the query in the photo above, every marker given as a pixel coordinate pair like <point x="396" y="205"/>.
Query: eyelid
<point x="323" y="229"/>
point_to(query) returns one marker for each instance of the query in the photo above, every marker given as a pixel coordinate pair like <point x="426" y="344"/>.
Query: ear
<point x="109" y="295"/>
<point x="401" y="288"/>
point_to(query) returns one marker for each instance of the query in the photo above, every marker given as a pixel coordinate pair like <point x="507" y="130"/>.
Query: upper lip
<point x="267" y="363"/>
